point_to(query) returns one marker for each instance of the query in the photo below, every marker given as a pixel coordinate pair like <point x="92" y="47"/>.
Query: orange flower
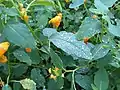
<point x="4" y="47"/>
<point x="28" y="50"/>
<point x="56" y="20"/>
<point x="86" y="40"/>
<point x="25" y="18"/>
<point x="3" y="59"/>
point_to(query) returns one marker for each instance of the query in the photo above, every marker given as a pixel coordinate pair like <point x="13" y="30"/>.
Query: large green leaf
<point x="37" y="77"/>
<point x="84" y="81"/>
<point x="101" y="7"/>
<point x="99" y="51"/>
<point x="89" y="28"/>
<point x="114" y="29"/>
<point x="101" y="79"/>
<point x="56" y="59"/>
<point x="108" y="3"/>
<point x="68" y="43"/>
<point x="19" y="34"/>
<point x="32" y="57"/>
<point x="76" y="3"/>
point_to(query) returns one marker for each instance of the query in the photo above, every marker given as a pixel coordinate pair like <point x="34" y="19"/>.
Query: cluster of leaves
<point x="82" y="53"/>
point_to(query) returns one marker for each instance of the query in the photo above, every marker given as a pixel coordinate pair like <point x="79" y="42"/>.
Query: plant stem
<point x="30" y="5"/>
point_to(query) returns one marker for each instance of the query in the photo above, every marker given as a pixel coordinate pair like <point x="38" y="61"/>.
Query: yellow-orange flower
<point x="3" y="59"/>
<point x="3" y="48"/>
<point x="23" y="13"/>
<point x="25" y="18"/>
<point x="53" y="77"/>
<point x="28" y="50"/>
<point x="56" y="20"/>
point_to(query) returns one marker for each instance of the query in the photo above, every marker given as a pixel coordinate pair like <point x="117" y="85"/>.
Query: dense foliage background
<point x="59" y="45"/>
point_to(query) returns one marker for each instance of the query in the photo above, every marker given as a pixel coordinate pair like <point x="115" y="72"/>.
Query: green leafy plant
<point x="59" y="45"/>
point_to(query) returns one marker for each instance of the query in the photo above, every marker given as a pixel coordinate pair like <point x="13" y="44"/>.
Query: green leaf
<point x="99" y="51"/>
<point x="37" y="77"/>
<point x="34" y="56"/>
<point x="22" y="56"/>
<point x="6" y="87"/>
<point x="96" y="11"/>
<point x="84" y="81"/>
<point x="19" y="70"/>
<point x="94" y="87"/>
<point x="101" y="79"/>
<point x="43" y="2"/>
<point x="13" y="32"/>
<point x="89" y="28"/>
<point x="101" y="7"/>
<point x="76" y="3"/>
<point x="114" y="29"/>
<point x="67" y="42"/>
<point x="56" y="59"/>
<point x="11" y="12"/>
<point x="108" y="3"/>
<point x="28" y="84"/>
<point x="16" y="86"/>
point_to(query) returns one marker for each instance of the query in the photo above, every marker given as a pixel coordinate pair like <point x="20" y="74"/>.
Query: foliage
<point x="59" y="45"/>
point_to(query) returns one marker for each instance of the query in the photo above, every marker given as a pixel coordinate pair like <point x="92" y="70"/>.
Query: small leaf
<point x="67" y="42"/>
<point x="6" y="87"/>
<point x="114" y="29"/>
<point x="43" y="2"/>
<point x="89" y="28"/>
<point x="76" y="3"/>
<point x="84" y="81"/>
<point x="19" y="70"/>
<point x="37" y="77"/>
<point x="99" y="51"/>
<point x="101" y="79"/>
<point x="22" y="56"/>
<point x="56" y="59"/>
<point x="28" y="84"/>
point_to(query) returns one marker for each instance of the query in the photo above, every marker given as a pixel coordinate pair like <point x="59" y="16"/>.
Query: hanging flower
<point x="56" y="20"/>
<point x="3" y="48"/>
<point x="23" y="13"/>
